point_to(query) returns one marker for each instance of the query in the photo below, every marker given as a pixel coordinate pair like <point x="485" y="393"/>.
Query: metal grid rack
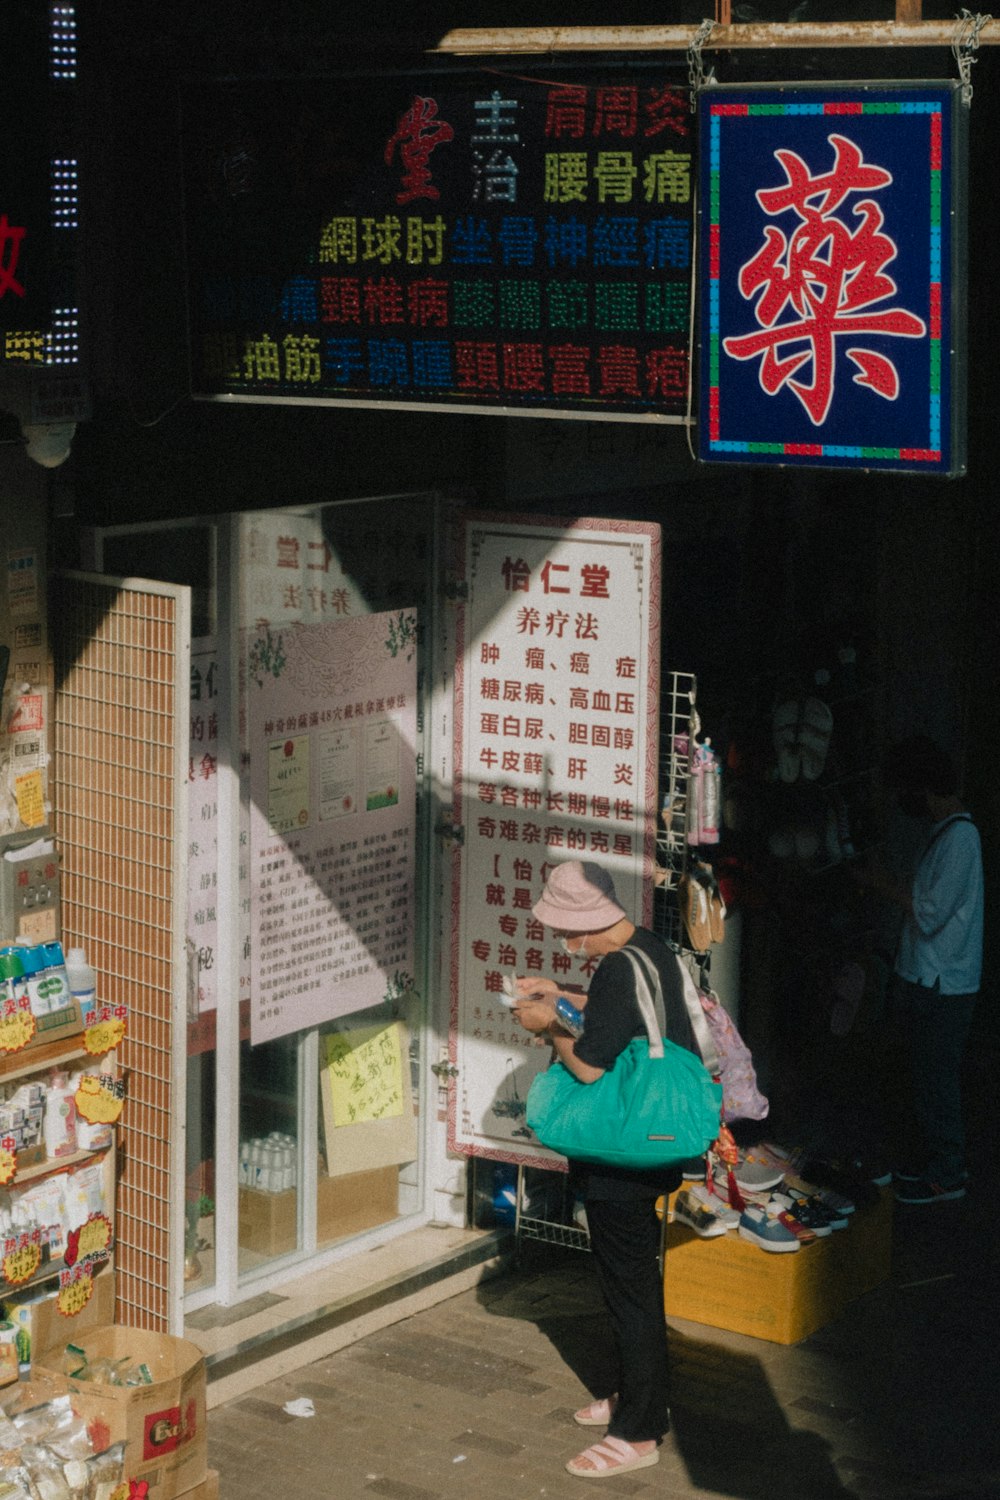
<point x="121" y="690"/>
<point x="677" y="732"/>
<point x="529" y="1225"/>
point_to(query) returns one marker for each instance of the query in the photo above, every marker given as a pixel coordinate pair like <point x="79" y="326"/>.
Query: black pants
<point x="625" y="1241"/>
<point x="933" y="1029"/>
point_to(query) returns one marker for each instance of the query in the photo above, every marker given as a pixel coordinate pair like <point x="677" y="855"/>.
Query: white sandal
<point x="597" y="1414"/>
<point x="613" y="1456"/>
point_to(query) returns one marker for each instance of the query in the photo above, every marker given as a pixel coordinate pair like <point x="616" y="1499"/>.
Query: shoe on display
<point x="791" y="1221"/>
<point x="849" y="1184"/>
<point x="773" y="1154"/>
<point x="767" y="1231"/>
<point x="923" y="1190"/>
<point x="837" y="1203"/>
<point x="756" y="1176"/>
<point x="837" y="1218"/>
<point x="715" y="1204"/>
<point x="811" y="1215"/>
<point x="687" y="1210"/>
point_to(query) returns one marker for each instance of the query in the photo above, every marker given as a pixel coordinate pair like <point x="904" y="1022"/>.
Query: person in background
<point x="580" y="905"/>
<point x="936" y="971"/>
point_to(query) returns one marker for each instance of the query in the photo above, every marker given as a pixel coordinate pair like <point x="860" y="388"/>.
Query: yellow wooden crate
<point x="730" y="1283"/>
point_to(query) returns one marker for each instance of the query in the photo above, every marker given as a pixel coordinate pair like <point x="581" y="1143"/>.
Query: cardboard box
<point x="56" y="1027"/>
<point x="207" y="1490"/>
<point x="344" y="1206"/>
<point x="267" y="1221"/>
<point x="94" y="1409"/>
<point x="360" y="1200"/>
<point x="731" y="1283"/>
<point x="163" y="1424"/>
<point x="44" y="1328"/>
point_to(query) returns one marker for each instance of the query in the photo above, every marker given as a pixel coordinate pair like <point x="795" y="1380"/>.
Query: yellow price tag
<point x="72" y="1299"/>
<point x="8" y="1164"/>
<point x="94" y="1237"/>
<point x="103" y="1035"/>
<point x="97" y="1104"/>
<point x="16" y="1030"/>
<point x="21" y="1264"/>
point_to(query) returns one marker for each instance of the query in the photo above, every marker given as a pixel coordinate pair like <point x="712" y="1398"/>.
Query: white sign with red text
<point x="556" y="755"/>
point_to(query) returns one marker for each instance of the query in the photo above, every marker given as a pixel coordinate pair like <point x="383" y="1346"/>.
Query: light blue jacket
<point x="942" y="942"/>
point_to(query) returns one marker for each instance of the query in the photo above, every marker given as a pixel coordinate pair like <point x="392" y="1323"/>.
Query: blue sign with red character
<point x="831" y="319"/>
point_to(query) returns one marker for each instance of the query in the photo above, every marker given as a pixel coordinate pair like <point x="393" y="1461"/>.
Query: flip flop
<point x="597" y="1414"/>
<point x="613" y="1456"/>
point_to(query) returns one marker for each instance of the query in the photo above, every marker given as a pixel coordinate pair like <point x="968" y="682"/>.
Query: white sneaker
<point x="688" y="1210"/>
<point x="716" y="1205"/>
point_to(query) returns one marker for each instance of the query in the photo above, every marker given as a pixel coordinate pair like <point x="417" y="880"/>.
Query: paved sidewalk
<point x="473" y="1397"/>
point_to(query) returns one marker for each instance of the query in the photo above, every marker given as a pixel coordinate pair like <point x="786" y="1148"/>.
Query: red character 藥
<point x="826" y="280"/>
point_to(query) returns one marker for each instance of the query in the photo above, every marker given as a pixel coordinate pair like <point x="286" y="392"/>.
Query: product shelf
<point x="49" y="1271"/>
<point x="36" y="1059"/>
<point x="54" y="1164"/>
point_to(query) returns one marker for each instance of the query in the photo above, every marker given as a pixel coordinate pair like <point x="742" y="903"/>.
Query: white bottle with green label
<point x="33" y="960"/>
<point x="54" y="979"/>
<point x="82" y="982"/>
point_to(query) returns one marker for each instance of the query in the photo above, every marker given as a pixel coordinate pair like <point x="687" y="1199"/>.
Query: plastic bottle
<point x="33" y="960"/>
<point x="59" y="1126"/>
<point x="570" y="1018"/>
<point x="13" y="984"/>
<point x="54" y="977"/>
<point x="711" y="779"/>
<point x="82" y="982"/>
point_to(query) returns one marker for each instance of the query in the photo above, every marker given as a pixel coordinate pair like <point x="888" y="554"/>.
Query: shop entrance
<point x="313" y="781"/>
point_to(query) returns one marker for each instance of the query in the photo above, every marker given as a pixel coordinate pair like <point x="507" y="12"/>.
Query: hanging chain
<point x="964" y="45"/>
<point x="697" y="76"/>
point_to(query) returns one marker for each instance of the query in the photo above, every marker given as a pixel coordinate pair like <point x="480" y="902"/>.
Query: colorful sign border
<point x="740" y="422"/>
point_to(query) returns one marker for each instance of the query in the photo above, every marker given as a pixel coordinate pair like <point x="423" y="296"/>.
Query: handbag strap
<point x="646" y="996"/>
<point x="699" y="1024"/>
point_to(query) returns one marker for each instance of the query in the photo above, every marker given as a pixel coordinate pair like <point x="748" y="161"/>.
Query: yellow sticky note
<point x="30" y="801"/>
<point x="365" y="1071"/>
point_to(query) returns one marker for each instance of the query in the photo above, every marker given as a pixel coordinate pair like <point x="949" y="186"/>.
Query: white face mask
<point x="574" y="952"/>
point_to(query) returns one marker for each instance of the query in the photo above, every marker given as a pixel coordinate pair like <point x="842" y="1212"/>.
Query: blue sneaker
<point x="757" y="1225"/>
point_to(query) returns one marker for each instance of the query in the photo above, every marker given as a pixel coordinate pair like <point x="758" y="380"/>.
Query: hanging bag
<point x="654" y="1107"/>
<point x="724" y="1052"/>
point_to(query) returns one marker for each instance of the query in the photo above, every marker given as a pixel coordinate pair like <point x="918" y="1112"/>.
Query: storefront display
<point x="60" y="1096"/>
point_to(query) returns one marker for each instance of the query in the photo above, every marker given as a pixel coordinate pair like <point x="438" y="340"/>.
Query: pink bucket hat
<point x="579" y="897"/>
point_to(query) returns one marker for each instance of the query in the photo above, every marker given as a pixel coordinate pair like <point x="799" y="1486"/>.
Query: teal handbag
<point x="655" y="1107"/>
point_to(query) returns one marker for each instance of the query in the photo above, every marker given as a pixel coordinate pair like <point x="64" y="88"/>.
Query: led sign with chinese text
<point x="493" y="242"/>
<point x="830" y="289"/>
<point x="25" y="217"/>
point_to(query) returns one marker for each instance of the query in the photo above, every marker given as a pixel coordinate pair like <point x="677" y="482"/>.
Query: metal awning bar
<point x="793" y="36"/>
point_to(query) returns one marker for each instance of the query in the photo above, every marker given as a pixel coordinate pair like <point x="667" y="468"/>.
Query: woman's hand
<point x="535" y="1015"/>
<point x="530" y="988"/>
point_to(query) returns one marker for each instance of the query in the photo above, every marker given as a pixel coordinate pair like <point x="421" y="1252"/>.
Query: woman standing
<point x="580" y="905"/>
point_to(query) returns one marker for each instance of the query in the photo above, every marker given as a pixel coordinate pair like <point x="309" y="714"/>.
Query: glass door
<point x="309" y="877"/>
<point x="335" y="609"/>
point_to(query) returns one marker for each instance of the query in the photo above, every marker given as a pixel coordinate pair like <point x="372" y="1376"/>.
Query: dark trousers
<point x="933" y="1029"/>
<point x="625" y="1240"/>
